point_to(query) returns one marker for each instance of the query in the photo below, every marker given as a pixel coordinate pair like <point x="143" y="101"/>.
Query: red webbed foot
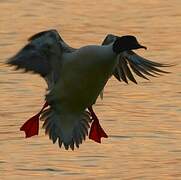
<point x="96" y="131"/>
<point x="31" y="126"/>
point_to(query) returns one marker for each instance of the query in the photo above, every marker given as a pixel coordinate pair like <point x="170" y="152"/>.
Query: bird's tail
<point x="68" y="128"/>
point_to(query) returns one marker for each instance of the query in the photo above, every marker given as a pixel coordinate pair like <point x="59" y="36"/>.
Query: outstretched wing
<point x="42" y="55"/>
<point x="131" y="63"/>
<point x="35" y="56"/>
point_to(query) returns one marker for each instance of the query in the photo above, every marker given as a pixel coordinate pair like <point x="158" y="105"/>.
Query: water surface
<point x="143" y="121"/>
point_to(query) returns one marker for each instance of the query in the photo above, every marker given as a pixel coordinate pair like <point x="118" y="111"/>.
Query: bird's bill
<point x="140" y="46"/>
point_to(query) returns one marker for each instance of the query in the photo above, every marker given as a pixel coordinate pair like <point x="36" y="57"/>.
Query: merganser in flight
<point x="75" y="79"/>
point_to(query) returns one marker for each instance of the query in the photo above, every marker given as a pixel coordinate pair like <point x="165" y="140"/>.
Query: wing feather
<point x="121" y="73"/>
<point x="31" y="59"/>
<point x="42" y="55"/>
<point x="131" y="63"/>
<point x="127" y="71"/>
<point x="39" y="54"/>
<point x="136" y="71"/>
<point x="141" y="66"/>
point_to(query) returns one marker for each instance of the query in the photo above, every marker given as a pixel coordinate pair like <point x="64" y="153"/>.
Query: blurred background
<point x="143" y="121"/>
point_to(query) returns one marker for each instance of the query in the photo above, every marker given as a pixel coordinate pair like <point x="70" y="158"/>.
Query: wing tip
<point x="41" y="33"/>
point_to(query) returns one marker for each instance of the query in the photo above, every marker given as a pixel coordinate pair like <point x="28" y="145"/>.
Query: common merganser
<point x="75" y="79"/>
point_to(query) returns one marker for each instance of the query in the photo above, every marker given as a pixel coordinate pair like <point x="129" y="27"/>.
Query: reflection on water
<point x="143" y="121"/>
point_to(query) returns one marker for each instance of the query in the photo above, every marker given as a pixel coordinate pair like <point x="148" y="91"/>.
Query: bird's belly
<point x="85" y="90"/>
<point x="80" y="84"/>
<point x="88" y="88"/>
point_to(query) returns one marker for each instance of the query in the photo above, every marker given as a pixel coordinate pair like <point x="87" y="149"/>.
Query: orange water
<point x="143" y="121"/>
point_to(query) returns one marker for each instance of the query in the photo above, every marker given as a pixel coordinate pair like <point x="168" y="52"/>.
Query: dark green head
<point x="126" y="43"/>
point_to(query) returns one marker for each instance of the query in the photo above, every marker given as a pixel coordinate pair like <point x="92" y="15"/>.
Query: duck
<point x="75" y="79"/>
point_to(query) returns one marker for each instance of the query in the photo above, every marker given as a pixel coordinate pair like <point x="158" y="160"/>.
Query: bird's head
<point x="126" y="43"/>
